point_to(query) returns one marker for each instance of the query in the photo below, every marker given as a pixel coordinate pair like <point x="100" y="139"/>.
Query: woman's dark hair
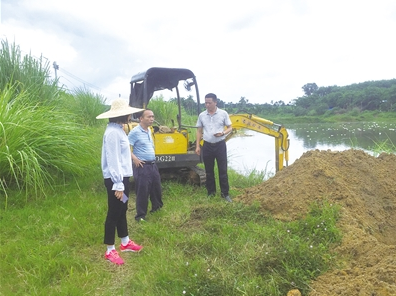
<point x="119" y="119"/>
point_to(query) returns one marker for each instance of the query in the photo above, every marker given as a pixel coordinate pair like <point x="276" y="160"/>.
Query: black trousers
<point x="116" y="213"/>
<point x="147" y="185"/>
<point x="210" y="153"/>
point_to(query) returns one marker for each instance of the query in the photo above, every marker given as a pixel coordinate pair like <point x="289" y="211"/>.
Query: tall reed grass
<point x="38" y="146"/>
<point x="165" y="112"/>
<point x="41" y="141"/>
<point x="31" y="74"/>
<point x="86" y="105"/>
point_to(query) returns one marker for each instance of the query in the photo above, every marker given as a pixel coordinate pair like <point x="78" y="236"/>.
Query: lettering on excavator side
<point x="169" y="140"/>
<point x="165" y="158"/>
<point x="251" y="123"/>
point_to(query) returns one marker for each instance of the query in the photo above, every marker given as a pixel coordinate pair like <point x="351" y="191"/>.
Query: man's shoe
<point x="155" y="210"/>
<point x="141" y="220"/>
<point x="130" y="247"/>
<point x="114" y="257"/>
<point x="212" y="194"/>
<point x="227" y="198"/>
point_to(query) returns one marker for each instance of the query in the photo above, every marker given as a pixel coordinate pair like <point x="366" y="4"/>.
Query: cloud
<point x="262" y="50"/>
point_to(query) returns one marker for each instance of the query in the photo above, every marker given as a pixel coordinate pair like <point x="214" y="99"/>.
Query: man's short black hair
<point x="211" y="96"/>
<point x="141" y="113"/>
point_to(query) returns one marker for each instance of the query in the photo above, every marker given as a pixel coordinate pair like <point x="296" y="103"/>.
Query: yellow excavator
<point x="175" y="152"/>
<point x="261" y="125"/>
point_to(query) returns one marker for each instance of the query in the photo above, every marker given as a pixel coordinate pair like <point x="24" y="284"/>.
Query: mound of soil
<point x="365" y="188"/>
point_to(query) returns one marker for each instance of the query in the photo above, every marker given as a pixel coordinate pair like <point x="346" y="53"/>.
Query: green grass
<point x="50" y="147"/>
<point x="200" y="245"/>
<point x="386" y="146"/>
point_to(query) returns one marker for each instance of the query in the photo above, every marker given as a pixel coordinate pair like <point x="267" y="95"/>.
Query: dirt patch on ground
<point x="365" y="188"/>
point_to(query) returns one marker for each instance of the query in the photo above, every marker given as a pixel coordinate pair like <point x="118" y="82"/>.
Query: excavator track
<point x="190" y="175"/>
<point x="197" y="176"/>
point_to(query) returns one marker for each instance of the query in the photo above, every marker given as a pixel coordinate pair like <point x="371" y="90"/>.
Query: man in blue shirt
<point x="213" y="125"/>
<point x="145" y="171"/>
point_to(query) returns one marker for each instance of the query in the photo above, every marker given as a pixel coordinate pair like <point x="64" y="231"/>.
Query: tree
<point x="323" y="91"/>
<point x="373" y="98"/>
<point x="310" y="88"/>
<point x="279" y="103"/>
<point x="391" y="98"/>
<point x="242" y="103"/>
<point x="333" y="99"/>
<point x="220" y="103"/>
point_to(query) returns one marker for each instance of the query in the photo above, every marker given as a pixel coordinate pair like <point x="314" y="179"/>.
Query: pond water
<point x="255" y="151"/>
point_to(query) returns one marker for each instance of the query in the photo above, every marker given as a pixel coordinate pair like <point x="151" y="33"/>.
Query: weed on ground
<point x="194" y="246"/>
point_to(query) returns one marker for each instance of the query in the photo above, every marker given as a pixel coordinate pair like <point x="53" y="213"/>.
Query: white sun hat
<point x="119" y="107"/>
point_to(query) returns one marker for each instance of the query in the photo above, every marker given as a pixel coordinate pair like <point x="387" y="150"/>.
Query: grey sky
<point x="262" y="50"/>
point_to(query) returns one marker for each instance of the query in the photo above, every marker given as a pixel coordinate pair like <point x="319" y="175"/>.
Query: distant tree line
<point x="370" y="95"/>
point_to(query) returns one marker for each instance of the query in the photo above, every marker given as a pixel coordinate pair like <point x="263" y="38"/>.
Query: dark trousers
<point x="147" y="185"/>
<point x="116" y="213"/>
<point x="210" y="153"/>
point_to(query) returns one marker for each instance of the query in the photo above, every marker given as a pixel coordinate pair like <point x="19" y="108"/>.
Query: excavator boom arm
<point x="264" y="126"/>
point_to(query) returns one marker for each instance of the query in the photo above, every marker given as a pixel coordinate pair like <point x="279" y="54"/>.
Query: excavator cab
<point x="175" y="153"/>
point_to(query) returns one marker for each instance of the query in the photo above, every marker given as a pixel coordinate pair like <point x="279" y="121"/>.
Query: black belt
<point x="213" y="144"/>
<point x="149" y="162"/>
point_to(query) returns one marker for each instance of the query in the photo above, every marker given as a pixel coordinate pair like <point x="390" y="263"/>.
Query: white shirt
<point x="213" y="124"/>
<point x="116" y="155"/>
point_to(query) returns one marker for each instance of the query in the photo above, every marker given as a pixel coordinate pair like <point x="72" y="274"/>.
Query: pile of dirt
<point x="365" y="188"/>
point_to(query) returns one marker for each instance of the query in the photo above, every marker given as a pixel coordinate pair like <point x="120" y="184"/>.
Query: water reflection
<point x="256" y="151"/>
<point x="359" y="135"/>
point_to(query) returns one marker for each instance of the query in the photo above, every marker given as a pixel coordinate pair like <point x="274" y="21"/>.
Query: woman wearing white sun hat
<point x="117" y="169"/>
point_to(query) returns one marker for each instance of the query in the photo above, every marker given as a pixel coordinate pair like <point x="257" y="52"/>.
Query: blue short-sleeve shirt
<point x="142" y="143"/>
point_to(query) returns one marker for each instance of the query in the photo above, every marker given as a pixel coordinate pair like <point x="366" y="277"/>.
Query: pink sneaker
<point x="130" y="247"/>
<point x="114" y="257"/>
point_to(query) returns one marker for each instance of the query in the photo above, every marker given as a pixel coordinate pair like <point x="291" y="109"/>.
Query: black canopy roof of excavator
<point x="144" y="84"/>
